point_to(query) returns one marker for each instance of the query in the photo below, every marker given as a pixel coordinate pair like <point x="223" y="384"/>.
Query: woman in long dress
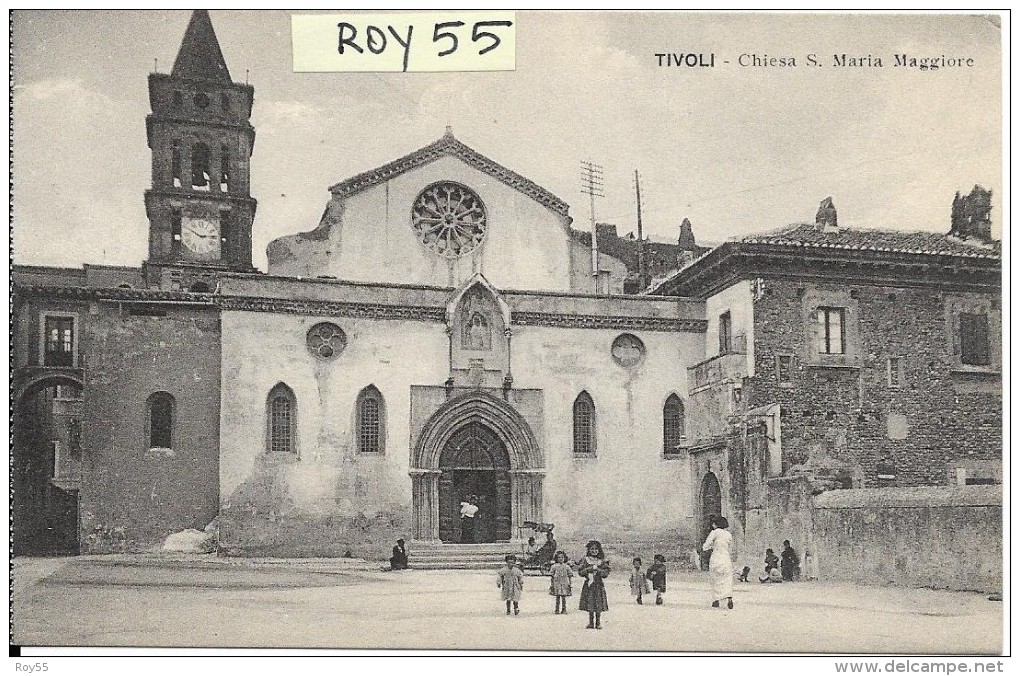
<point x="720" y="565"/>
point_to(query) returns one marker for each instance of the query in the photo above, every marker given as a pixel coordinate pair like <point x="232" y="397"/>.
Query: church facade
<point x="442" y="334"/>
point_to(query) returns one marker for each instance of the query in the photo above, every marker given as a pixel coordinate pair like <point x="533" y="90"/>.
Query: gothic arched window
<point x="281" y="420"/>
<point x="159" y="420"/>
<point x="200" y="161"/>
<point x="371" y="421"/>
<point x="224" y="169"/>
<point x="476" y="334"/>
<point x="584" y="425"/>
<point x="672" y="425"/>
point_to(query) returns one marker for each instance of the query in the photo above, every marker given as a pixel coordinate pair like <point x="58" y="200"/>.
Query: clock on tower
<point x="199" y="207"/>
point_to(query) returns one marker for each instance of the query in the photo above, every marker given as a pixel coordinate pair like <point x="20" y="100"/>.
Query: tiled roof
<point x="897" y="241"/>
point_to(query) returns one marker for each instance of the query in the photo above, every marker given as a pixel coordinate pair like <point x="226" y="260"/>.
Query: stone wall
<point x="941" y="537"/>
<point x="133" y="496"/>
<point x="848" y="418"/>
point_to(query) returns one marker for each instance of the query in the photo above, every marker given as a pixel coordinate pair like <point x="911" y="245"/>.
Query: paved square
<point x="124" y="601"/>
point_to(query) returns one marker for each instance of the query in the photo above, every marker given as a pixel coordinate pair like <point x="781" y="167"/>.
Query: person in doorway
<point x="594" y="568"/>
<point x="468" y="511"/>
<point x="559" y="581"/>
<point x="510" y="580"/>
<point x="790" y="562"/>
<point x="638" y="583"/>
<point x="657" y="574"/>
<point x="720" y="565"/>
<point x="399" y="559"/>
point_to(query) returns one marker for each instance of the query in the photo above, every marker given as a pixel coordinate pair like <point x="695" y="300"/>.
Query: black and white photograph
<point x="511" y="332"/>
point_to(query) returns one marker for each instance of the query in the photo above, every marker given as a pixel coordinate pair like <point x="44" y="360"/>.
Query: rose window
<point x="449" y="219"/>
<point x="326" y="341"/>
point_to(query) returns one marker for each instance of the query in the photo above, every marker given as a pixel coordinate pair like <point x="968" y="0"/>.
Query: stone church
<point x="443" y="332"/>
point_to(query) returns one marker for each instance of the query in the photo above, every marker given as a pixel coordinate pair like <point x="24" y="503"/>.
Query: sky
<point x="735" y="149"/>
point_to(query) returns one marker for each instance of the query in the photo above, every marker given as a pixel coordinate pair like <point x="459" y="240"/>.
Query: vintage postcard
<point x="508" y="331"/>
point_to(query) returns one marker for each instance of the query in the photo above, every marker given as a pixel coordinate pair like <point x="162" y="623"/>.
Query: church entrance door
<point x="474" y="466"/>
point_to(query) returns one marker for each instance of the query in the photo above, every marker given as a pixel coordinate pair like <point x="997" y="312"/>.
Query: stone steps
<point x="441" y="556"/>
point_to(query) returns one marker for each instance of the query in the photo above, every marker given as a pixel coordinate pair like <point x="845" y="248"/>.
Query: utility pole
<point x="641" y="265"/>
<point x="592" y="185"/>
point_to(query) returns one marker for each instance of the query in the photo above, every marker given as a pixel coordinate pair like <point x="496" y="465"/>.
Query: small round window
<point x="628" y="350"/>
<point x="326" y="340"/>
<point x="202" y="100"/>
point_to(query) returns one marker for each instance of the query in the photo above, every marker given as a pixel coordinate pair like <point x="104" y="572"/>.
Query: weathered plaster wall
<point x="527" y="245"/>
<point x="133" y="496"/>
<point x="628" y="490"/>
<point x="737" y="300"/>
<point x="328" y="498"/>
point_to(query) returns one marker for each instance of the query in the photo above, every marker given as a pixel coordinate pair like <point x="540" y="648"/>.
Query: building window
<point x="224" y="169"/>
<point x="831" y="322"/>
<point x="784" y="369"/>
<point x="672" y="425"/>
<point x="584" y="425"/>
<point x="200" y="161"/>
<point x="895" y="371"/>
<point x="326" y="340"/>
<point x="224" y="102"/>
<point x="160" y="420"/>
<point x="58" y="341"/>
<point x="282" y="420"/>
<point x="370" y="422"/>
<point x="725" y="333"/>
<point x="974" y="346"/>
<point x="175" y="164"/>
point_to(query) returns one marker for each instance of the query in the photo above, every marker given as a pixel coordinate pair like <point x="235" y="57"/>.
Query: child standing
<point x="559" y="583"/>
<point x="657" y="574"/>
<point x="638" y="583"/>
<point x="594" y="569"/>
<point x="511" y="580"/>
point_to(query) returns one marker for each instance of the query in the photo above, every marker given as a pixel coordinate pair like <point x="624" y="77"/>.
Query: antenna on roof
<point x="246" y="76"/>
<point x="155" y="65"/>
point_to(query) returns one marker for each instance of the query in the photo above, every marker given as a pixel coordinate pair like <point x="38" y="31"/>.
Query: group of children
<point x="594" y="568"/>
<point x="776" y="569"/>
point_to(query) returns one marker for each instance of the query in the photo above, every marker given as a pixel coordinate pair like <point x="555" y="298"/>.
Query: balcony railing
<point x="729" y="367"/>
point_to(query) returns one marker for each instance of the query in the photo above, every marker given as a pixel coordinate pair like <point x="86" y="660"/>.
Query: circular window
<point x="449" y="219"/>
<point x="628" y="350"/>
<point x="201" y="100"/>
<point x="326" y="341"/>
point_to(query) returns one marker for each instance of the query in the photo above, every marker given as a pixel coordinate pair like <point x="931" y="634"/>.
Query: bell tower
<point x="199" y="207"/>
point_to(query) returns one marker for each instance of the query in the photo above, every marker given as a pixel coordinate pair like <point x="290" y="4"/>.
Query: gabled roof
<point x="895" y="241"/>
<point x="449" y="145"/>
<point x="879" y="256"/>
<point x="200" y="57"/>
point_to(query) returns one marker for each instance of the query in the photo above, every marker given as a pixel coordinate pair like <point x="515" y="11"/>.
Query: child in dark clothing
<point x="791" y="562"/>
<point x="743" y="574"/>
<point x="657" y="574"/>
<point x="594" y="568"/>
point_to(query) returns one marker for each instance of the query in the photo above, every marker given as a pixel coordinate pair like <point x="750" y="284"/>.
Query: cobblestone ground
<point x="304" y="604"/>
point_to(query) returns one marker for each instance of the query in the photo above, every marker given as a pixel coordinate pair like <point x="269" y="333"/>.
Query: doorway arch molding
<point x="527" y="464"/>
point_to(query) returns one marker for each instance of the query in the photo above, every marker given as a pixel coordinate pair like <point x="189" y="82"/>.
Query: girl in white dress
<point x="720" y="565"/>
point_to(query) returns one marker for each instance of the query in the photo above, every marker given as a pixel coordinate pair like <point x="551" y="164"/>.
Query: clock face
<point x="201" y="236"/>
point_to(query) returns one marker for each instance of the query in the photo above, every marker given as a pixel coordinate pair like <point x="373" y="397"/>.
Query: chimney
<point x="686" y="246"/>
<point x="971" y="216"/>
<point x="825" y="219"/>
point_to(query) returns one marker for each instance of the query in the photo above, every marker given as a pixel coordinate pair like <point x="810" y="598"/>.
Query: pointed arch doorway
<point x="474" y="465"/>
<point x="475" y="444"/>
